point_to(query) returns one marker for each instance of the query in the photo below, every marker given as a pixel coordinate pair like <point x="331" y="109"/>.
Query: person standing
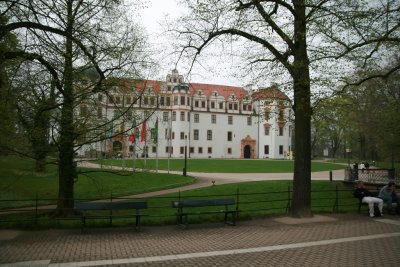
<point x="389" y="196"/>
<point x="365" y="196"/>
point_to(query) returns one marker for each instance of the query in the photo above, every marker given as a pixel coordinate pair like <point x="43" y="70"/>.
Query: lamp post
<point x="348" y="152"/>
<point x="185" y="167"/>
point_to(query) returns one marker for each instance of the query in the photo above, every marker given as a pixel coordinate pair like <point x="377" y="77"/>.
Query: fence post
<point x="237" y="203"/>
<point x="289" y="198"/>
<point x="336" y="206"/>
<point x="36" y="207"/>
<point x="330" y="176"/>
<point x="111" y="210"/>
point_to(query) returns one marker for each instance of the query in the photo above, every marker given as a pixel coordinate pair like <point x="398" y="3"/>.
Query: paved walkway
<point x="325" y="240"/>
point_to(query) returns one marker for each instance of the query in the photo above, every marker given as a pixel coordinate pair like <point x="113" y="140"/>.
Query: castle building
<point x="163" y="118"/>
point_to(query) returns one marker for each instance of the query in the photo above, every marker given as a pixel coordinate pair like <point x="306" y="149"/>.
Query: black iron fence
<point x="160" y="211"/>
<point x="373" y="176"/>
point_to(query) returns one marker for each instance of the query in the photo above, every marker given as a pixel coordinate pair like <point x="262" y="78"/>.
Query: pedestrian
<point x="389" y="196"/>
<point x="365" y="196"/>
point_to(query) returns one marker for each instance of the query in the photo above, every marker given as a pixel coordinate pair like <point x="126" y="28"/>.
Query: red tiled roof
<point x="223" y="90"/>
<point x="270" y="93"/>
<point x="126" y="84"/>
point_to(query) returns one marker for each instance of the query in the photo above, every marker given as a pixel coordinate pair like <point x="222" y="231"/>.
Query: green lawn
<point x="19" y="181"/>
<point x="223" y="165"/>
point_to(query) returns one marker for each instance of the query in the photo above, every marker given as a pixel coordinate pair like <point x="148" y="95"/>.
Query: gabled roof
<point x="272" y="93"/>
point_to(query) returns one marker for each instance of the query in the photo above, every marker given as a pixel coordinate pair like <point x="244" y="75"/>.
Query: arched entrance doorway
<point x="247" y="152"/>
<point x="248" y="148"/>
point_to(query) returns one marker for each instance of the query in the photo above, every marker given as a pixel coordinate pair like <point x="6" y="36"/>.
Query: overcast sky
<point x="153" y="19"/>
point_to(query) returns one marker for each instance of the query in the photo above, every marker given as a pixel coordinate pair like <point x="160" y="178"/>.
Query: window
<point x="209" y="150"/>
<point x="84" y="110"/>
<point x="281" y="115"/>
<point x="99" y="112"/>
<point x="200" y="149"/>
<point x="249" y="121"/>
<point x="196" y="103"/>
<point x="118" y="100"/>
<point x="209" y="135"/>
<point x="128" y="100"/>
<point x="203" y="104"/>
<point x="168" y="101"/>
<point x="196" y="118"/>
<point x="221" y="105"/>
<point x="165" y="116"/>
<point x="235" y="106"/>
<point x="229" y="150"/>
<point x="280" y="150"/>
<point x="230" y="106"/>
<point x="145" y="101"/>
<point x="212" y="104"/>
<point x="162" y="101"/>
<point x="280" y="131"/>
<point x="230" y="120"/>
<point x="183" y="100"/>
<point x="175" y="100"/>
<point x="266" y="130"/>
<point x="182" y="135"/>
<point x="152" y="101"/>
<point x="229" y="136"/>
<point x="191" y="150"/>
<point x="182" y="116"/>
<point x="110" y="99"/>
<point x="266" y="115"/>
<point x="213" y="119"/>
<point x="196" y="134"/>
<point x="182" y="150"/>
<point x="154" y="149"/>
<point x="266" y="149"/>
<point x="174" y="116"/>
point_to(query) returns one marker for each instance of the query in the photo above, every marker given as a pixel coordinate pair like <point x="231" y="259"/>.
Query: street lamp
<point x="185" y="167"/>
<point x="348" y="152"/>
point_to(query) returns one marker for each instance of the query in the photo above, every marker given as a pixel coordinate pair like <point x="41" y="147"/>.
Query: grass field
<point x="223" y="165"/>
<point x="19" y="181"/>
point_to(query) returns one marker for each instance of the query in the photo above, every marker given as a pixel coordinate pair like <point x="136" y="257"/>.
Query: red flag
<point x="143" y="137"/>
<point x="132" y="136"/>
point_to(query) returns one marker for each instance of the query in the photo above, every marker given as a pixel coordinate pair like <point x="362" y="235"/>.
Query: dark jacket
<point x="361" y="192"/>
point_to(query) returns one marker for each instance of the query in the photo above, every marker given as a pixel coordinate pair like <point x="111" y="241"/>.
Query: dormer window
<point x="215" y="94"/>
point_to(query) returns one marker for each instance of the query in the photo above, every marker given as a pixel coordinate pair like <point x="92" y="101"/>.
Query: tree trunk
<point x="67" y="169"/>
<point x="301" y="200"/>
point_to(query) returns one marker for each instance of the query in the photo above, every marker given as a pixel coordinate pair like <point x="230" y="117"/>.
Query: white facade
<point x="212" y="121"/>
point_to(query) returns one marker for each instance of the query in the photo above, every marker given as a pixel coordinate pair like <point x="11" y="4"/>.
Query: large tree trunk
<point x="301" y="200"/>
<point x="67" y="171"/>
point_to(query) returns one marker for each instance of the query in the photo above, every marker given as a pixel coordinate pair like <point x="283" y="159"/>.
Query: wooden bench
<point x="185" y="208"/>
<point x="85" y="207"/>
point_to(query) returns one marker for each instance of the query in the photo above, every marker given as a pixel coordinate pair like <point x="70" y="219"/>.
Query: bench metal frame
<point x="84" y="207"/>
<point x="182" y="215"/>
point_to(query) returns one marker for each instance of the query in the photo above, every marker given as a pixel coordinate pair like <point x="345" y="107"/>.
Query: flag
<point x="132" y="136"/>
<point x="156" y="131"/>
<point x="121" y="131"/>
<point x="143" y="137"/>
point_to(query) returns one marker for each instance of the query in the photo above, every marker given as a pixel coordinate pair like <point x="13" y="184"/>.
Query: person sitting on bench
<point x="388" y="194"/>
<point x="365" y="196"/>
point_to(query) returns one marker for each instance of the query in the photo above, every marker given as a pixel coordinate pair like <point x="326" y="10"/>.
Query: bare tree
<point x="67" y="37"/>
<point x="295" y="39"/>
